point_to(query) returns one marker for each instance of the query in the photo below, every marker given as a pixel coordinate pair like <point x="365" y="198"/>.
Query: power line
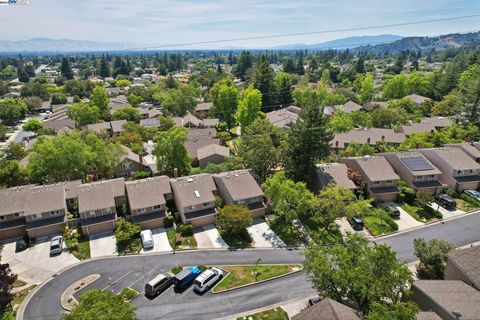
<point x="284" y="35"/>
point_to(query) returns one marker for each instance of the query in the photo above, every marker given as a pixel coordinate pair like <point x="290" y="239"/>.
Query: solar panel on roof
<point x="417" y="164"/>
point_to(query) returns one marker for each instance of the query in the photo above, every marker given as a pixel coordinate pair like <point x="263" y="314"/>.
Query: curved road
<point x="120" y="272"/>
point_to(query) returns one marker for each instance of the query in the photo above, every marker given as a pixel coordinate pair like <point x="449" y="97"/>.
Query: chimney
<point x="218" y="169"/>
<point x="336" y="143"/>
<point x="368" y="140"/>
<point x="383" y="138"/>
<point x="175" y="173"/>
<point x="89" y="178"/>
<point x="346" y="153"/>
<point x="469" y="139"/>
<point x="417" y="145"/>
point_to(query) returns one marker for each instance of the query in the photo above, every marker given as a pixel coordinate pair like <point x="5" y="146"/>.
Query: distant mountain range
<point x="344" y="43"/>
<point x="443" y="42"/>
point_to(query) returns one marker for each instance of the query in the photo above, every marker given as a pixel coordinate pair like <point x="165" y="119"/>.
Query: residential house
<point x="98" y="204"/>
<point x="129" y="163"/>
<point x="450" y="299"/>
<point x="239" y="187"/>
<point x="150" y="123"/>
<point x="416" y="170"/>
<point x="147" y="199"/>
<point x="377" y="175"/>
<point x="459" y="170"/>
<point x="348" y="107"/>
<point x="12" y="95"/>
<point x="417" y="99"/>
<point x="438" y="122"/>
<point x="328" y="309"/>
<point x="369" y="136"/>
<point x="464" y="265"/>
<point x="199" y="138"/>
<point x="415" y="127"/>
<point x="12" y="220"/>
<point x="283" y="118"/>
<point x="111" y="127"/>
<point x="210" y="123"/>
<point x="336" y="173"/>
<point x="195" y="199"/>
<point x="369" y="106"/>
<point x="189" y="121"/>
<point x="212" y="153"/>
<point x="202" y="109"/>
<point x="469" y="148"/>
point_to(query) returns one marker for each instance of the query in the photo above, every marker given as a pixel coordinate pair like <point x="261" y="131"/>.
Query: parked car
<point x="56" y="245"/>
<point x="356" y="223"/>
<point x="207" y="279"/>
<point x="473" y="194"/>
<point x="21" y="245"/>
<point x="391" y="210"/>
<point x="446" y="201"/>
<point x="184" y="279"/>
<point x="313" y="301"/>
<point x="158" y="284"/>
<point x="147" y="239"/>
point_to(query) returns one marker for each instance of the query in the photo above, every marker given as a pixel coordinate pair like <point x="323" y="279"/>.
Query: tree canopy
<point x="171" y="152"/>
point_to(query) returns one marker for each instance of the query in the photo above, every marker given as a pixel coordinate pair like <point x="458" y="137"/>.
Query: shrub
<point x="142" y="175"/>
<point x="433" y="212"/>
<point x="470" y="200"/>
<point x="386" y="217"/>
<point x="128" y="293"/>
<point x="185" y="230"/>
<point x="176" y="269"/>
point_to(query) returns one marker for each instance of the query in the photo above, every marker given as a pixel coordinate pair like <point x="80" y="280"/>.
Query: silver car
<point x="473" y="194"/>
<point x="56" y="245"/>
<point x="207" y="279"/>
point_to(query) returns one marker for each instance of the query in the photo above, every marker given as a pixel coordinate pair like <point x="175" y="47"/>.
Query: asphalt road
<point x="120" y="272"/>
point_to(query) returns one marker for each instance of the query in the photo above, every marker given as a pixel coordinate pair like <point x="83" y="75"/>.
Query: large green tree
<point x="226" y="104"/>
<point x="102" y="305"/>
<point x="396" y="87"/>
<point x="357" y="272"/>
<point x="12" y="110"/>
<point x="234" y="219"/>
<point x="433" y="257"/>
<point x="7" y="279"/>
<point x="33" y="125"/>
<point x="171" y="152"/>
<point x="249" y="107"/>
<point x="104" y="68"/>
<point x="83" y="113"/>
<point x="66" y="69"/>
<point x="263" y="80"/>
<point x="128" y="113"/>
<point x="397" y="311"/>
<point x="100" y="99"/>
<point x="469" y="87"/>
<point x="283" y="88"/>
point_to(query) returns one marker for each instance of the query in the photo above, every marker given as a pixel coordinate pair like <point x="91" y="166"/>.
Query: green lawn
<point x="287" y="232"/>
<point x="128" y="293"/>
<point x="377" y="225"/>
<point x="242" y="275"/>
<point x="9" y="314"/>
<point x="464" y="205"/>
<point x="418" y="213"/>
<point x="82" y="251"/>
<point x="272" y="314"/>
<point x="182" y="242"/>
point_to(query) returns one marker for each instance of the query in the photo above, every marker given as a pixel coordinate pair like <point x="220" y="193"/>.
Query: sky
<point x="157" y="22"/>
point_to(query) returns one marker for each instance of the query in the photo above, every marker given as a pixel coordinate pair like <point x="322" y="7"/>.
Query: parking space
<point x="35" y="265"/>
<point x="345" y="227"/>
<point x="405" y="221"/>
<point x="208" y="237"/>
<point x="102" y="245"/>
<point x="160" y="241"/>
<point x="263" y="236"/>
<point x="446" y="213"/>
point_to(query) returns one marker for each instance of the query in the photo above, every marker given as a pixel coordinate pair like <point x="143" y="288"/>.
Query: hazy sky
<point x="179" y="21"/>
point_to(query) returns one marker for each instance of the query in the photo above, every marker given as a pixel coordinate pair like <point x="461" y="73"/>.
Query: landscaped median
<point x="272" y="314"/>
<point x="244" y="275"/>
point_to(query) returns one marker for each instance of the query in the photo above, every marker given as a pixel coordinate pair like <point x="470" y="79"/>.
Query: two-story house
<point x="147" y="199"/>
<point x="239" y="187"/>
<point x="416" y="170"/>
<point x="12" y="219"/>
<point x="195" y="199"/>
<point x="469" y="148"/>
<point x="459" y="170"/>
<point x="334" y="172"/>
<point x="378" y="176"/>
<point x="98" y="203"/>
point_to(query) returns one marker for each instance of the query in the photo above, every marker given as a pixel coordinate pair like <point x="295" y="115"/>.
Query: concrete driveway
<point x="405" y="221"/>
<point x="102" y="245"/>
<point x="263" y="236"/>
<point x="160" y="241"/>
<point x="208" y="237"/>
<point x="35" y="265"/>
<point x="446" y="213"/>
<point x="345" y="227"/>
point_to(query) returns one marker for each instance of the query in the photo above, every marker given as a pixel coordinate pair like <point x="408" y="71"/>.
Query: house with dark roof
<point x="328" y="309"/>
<point x="188" y="121"/>
<point x="111" y="128"/>
<point x="450" y="299"/>
<point x="464" y="265"/>
<point x="98" y="203"/>
<point x="370" y="136"/>
<point x="417" y="99"/>
<point x="212" y="153"/>
<point x="147" y="199"/>
<point x="438" y="122"/>
<point x="129" y="163"/>
<point x="416" y="170"/>
<point x="194" y="198"/>
<point x="202" y="109"/>
<point x="239" y="187"/>
<point x="336" y="173"/>
<point x="459" y="170"/>
<point x="283" y="118"/>
<point x="199" y="138"/>
<point x="377" y="175"/>
<point x="415" y="127"/>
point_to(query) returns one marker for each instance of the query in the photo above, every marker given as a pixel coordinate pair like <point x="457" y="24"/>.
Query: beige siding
<point x="151" y="224"/>
<point x="201" y="221"/>
<point x="46" y="230"/>
<point x="99" y="228"/>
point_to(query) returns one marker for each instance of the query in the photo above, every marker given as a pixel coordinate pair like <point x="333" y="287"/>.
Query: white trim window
<point x="157" y="207"/>
<point x="471" y="171"/>
<point x="106" y="210"/>
<point x="141" y="210"/>
<point x="90" y="214"/>
<point x="459" y="171"/>
<point x="418" y="178"/>
<point x="36" y="216"/>
<point x="127" y="165"/>
<point x="376" y="183"/>
<point x="431" y="177"/>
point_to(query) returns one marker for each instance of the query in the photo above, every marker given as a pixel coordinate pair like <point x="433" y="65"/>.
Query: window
<point x="418" y="178"/>
<point x="127" y="165"/>
<point x="90" y="214"/>
<point x="471" y="171"/>
<point x="17" y="215"/>
<point x="141" y="210"/>
<point x="206" y="204"/>
<point x="36" y="216"/>
<point x="431" y="177"/>
<point x="241" y="202"/>
<point x="191" y="207"/>
<point x="459" y="171"/>
<point x="2" y="218"/>
<point x="157" y="207"/>
<point x="52" y="213"/>
<point x="376" y="183"/>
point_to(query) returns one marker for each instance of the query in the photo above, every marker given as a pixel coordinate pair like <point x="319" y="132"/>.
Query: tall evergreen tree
<point x="66" y="69"/>
<point x="104" y="68"/>
<point x="263" y="80"/>
<point x="244" y="63"/>
<point x="283" y="87"/>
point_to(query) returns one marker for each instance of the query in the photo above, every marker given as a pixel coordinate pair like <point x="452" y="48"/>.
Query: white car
<point x="473" y="194"/>
<point x="56" y="245"/>
<point x="147" y="239"/>
<point x="207" y="279"/>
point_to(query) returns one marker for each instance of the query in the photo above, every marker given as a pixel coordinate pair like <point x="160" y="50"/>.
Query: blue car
<point x="184" y="279"/>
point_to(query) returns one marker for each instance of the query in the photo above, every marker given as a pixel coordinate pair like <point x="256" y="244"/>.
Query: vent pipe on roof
<point x="175" y="173"/>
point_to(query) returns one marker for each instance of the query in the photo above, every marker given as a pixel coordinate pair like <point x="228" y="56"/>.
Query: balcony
<point x="200" y="213"/>
<point x="427" y="184"/>
<point x="384" y="190"/>
<point x="138" y="218"/>
<point x="96" y="220"/>
<point x="33" y="224"/>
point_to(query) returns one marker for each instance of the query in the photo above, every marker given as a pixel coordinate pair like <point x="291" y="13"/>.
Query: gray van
<point x="158" y="285"/>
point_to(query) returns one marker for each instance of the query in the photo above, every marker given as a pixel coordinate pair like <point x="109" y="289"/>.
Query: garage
<point x="13" y="232"/>
<point x="46" y="230"/>
<point x="98" y="228"/>
<point x="201" y="221"/>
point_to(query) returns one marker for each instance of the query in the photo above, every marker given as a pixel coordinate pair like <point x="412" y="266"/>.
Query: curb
<point x="254" y="283"/>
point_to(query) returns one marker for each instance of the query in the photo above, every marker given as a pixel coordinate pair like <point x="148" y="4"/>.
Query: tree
<point x="12" y="110"/>
<point x="234" y="219"/>
<point x="126" y="231"/>
<point x="10" y="173"/>
<point x="7" y="278"/>
<point x="33" y="103"/>
<point x="3" y="132"/>
<point x="424" y="198"/>
<point x="66" y="69"/>
<point x="367" y="88"/>
<point x="128" y="113"/>
<point x="59" y="98"/>
<point x="244" y="63"/>
<point x="449" y="106"/>
<point x="260" y="147"/>
<point x="178" y="101"/>
<point x="14" y="151"/>
<point x="22" y="75"/>
<point x="396" y="87"/>
<point x="171" y="152"/>
<point x="100" y="99"/>
<point x="357" y="272"/>
<point x="104" y="68"/>
<point x="289" y="199"/>
<point x="226" y="104"/>
<point x="33" y="125"/>
<point x="469" y="87"/>
<point x="432" y="254"/>
<point x="263" y="80"/>
<point x="35" y="89"/>
<point x="283" y="88"/>
<point x="98" y="304"/>
<point x="83" y="113"/>
<point x="397" y="311"/>
<point x="307" y="143"/>
<point x="388" y="117"/>
<point x="249" y="106"/>
<point x="134" y="100"/>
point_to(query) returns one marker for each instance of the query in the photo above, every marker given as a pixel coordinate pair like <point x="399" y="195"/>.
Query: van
<point x="158" y="285"/>
<point x="147" y="239"/>
<point x="207" y="279"/>
<point x="184" y="278"/>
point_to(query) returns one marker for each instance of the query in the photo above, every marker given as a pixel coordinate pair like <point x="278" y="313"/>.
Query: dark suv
<point x="446" y="201"/>
<point x="356" y="223"/>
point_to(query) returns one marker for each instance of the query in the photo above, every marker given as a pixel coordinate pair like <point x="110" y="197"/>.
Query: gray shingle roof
<point x="184" y="190"/>
<point x="417" y="127"/>
<point x="100" y="194"/>
<point x="438" y="122"/>
<point x="456" y="158"/>
<point x="327" y="309"/>
<point x="335" y="172"/>
<point x="147" y="192"/>
<point x="371" y="136"/>
<point x="212" y="149"/>
<point x="376" y="168"/>
<point x="240" y="184"/>
<point x="468" y="148"/>
<point x="348" y="107"/>
<point x="283" y="118"/>
<point x="468" y="260"/>
<point x="428" y="315"/>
